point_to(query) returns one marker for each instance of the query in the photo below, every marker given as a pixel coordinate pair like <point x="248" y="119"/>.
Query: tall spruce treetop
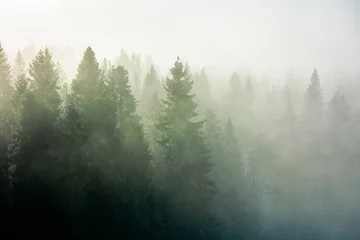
<point x="313" y="100"/>
<point x="44" y="80"/>
<point x="85" y="86"/>
<point x="151" y="85"/>
<point x="4" y="76"/>
<point x="202" y="90"/>
<point x="234" y="97"/>
<point x="19" y="66"/>
<point x="186" y="160"/>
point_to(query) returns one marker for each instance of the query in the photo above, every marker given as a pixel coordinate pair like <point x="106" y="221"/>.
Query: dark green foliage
<point x="186" y="160"/>
<point x="83" y="161"/>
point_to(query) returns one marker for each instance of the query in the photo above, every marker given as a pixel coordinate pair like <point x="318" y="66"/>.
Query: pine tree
<point x="19" y="66"/>
<point x="313" y="101"/>
<point x="202" y="91"/>
<point x="213" y="135"/>
<point x="150" y="131"/>
<point x="151" y="85"/>
<point x="85" y="86"/>
<point x="5" y="177"/>
<point x="187" y="161"/>
<point x="234" y="97"/>
<point x="135" y="74"/>
<point x="129" y="124"/>
<point x="44" y="80"/>
<point x="233" y="203"/>
<point x="5" y="87"/>
<point x="123" y="59"/>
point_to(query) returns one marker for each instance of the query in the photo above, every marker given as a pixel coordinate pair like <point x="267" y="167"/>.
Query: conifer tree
<point x="187" y="161"/>
<point x="313" y="101"/>
<point x="5" y="178"/>
<point x="202" y="91"/>
<point x="123" y="59"/>
<point x="151" y="85"/>
<point x="19" y="66"/>
<point x="44" y="79"/>
<point x="150" y="130"/>
<point x="5" y="87"/>
<point x="234" y="98"/>
<point x="234" y="205"/>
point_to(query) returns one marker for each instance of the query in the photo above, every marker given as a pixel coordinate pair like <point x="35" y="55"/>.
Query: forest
<point x="122" y="151"/>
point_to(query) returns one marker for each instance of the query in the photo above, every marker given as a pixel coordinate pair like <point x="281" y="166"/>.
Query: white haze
<point x="269" y="37"/>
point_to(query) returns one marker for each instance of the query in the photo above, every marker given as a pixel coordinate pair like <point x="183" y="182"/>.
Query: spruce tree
<point x="5" y="177"/>
<point x="187" y="162"/>
<point x="150" y="86"/>
<point x="234" y="97"/>
<point x="5" y="87"/>
<point x="19" y="66"/>
<point x="202" y="91"/>
<point x="150" y="130"/>
<point x="313" y="101"/>
<point x="44" y="80"/>
<point x="35" y="144"/>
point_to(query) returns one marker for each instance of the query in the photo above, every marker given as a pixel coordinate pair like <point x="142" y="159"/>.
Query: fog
<point x="268" y="37"/>
<point x="181" y="119"/>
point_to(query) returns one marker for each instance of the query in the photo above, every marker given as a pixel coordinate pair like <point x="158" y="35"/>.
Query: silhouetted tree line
<point x="105" y="156"/>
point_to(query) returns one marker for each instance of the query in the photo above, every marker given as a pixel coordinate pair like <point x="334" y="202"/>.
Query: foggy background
<point x="269" y="38"/>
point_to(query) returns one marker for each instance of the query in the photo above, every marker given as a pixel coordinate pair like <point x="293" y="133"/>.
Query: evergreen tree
<point x="62" y="83"/>
<point x="19" y="66"/>
<point x="123" y="59"/>
<point x="234" y="98"/>
<point x="151" y="85"/>
<point x="187" y="163"/>
<point x="313" y="101"/>
<point x="135" y="74"/>
<point x="35" y="143"/>
<point x="202" y="91"/>
<point x="5" y="87"/>
<point x="5" y="178"/>
<point x="44" y="79"/>
<point x="151" y="132"/>
<point x="213" y="136"/>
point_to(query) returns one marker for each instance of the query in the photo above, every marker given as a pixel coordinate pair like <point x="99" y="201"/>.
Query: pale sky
<point x="269" y="36"/>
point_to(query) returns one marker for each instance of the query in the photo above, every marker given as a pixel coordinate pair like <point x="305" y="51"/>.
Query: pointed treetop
<point x="19" y="66"/>
<point x="4" y="65"/>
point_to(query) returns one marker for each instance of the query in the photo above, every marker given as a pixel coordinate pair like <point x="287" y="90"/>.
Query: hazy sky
<point x="269" y="36"/>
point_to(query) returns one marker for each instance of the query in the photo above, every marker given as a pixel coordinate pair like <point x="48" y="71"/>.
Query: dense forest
<point x="124" y="152"/>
